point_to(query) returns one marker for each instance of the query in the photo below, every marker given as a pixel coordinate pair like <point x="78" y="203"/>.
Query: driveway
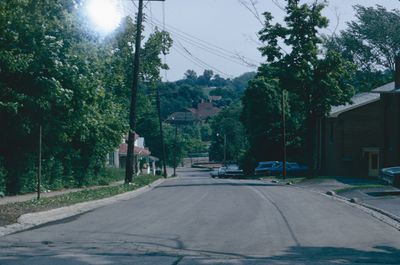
<point x="198" y="220"/>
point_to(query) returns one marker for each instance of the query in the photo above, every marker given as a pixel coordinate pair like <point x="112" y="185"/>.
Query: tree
<point x="319" y="80"/>
<point x="191" y="75"/>
<point x="205" y="79"/>
<point x="56" y="73"/>
<point x="371" y="42"/>
<point x="227" y="125"/>
<point x="48" y="77"/>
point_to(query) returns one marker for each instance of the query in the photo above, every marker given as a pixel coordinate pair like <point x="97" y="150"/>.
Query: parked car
<point x="230" y="171"/>
<point x="216" y="173"/>
<point x="264" y="168"/>
<point x="292" y="169"/>
<point x="233" y="171"/>
<point x="390" y="175"/>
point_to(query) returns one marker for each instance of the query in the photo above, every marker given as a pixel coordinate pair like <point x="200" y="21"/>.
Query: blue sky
<point x="215" y="32"/>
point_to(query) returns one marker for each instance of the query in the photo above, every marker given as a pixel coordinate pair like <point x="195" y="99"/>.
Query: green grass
<point x="9" y="213"/>
<point x="111" y="175"/>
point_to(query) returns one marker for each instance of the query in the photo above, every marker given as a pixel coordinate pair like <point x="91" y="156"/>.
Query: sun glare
<point x="104" y="14"/>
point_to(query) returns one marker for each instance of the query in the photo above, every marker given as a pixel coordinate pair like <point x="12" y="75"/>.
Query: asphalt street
<point x="198" y="220"/>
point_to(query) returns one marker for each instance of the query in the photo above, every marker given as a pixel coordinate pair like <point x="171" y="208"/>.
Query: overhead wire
<point x="178" y="36"/>
<point x="200" y="61"/>
<point x="205" y="44"/>
<point x="230" y="58"/>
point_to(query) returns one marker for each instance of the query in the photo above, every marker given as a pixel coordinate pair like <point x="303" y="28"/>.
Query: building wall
<point x="349" y="135"/>
<point x="392" y="130"/>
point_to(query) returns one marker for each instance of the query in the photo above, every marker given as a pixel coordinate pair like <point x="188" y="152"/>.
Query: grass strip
<point x="9" y="213"/>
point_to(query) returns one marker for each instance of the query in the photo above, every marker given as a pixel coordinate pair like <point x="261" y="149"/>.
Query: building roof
<point x="206" y="109"/>
<point x="182" y="117"/>
<point x="123" y="150"/>
<point x="362" y="99"/>
<point x="358" y="100"/>
<point x="214" y="98"/>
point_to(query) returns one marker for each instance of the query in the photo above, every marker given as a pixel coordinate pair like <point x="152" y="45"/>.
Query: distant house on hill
<point x="206" y="110"/>
<point x="360" y="138"/>
<point x="203" y="111"/>
<point x="214" y="98"/>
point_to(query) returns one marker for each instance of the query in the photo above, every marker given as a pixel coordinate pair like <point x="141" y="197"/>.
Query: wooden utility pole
<point x="175" y="148"/>
<point x="161" y="133"/>
<point x="283" y="135"/>
<point x="39" y="174"/>
<point x="224" y="149"/>
<point x="130" y="169"/>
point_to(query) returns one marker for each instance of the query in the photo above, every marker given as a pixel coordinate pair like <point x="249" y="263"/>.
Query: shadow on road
<point x="181" y="255"/>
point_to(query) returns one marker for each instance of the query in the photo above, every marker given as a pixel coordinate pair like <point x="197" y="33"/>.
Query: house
<point x="206" y="110"/>
<point x="186" y="116"/>
<point x="145" y="162"/>
<point x="214" y="98"/>
<point x="203" y="111"/>
<point x="360" y="138"/>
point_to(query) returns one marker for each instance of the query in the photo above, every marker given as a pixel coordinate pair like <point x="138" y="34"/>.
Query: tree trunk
<point x="311" y="143"/>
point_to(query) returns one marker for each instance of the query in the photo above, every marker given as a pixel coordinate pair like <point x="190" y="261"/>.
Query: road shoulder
<point x="29" y="220"/>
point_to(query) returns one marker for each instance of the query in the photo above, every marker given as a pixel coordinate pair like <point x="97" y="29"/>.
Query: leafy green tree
<point x="227" y="125"/>
<point x="191" y="75"/>
<point x="371" y="42"/>
<point x="56" y="73"/>
<point x="261" y="116"/>
<point x="319" y="80"/>
<point x="205" y="79"/>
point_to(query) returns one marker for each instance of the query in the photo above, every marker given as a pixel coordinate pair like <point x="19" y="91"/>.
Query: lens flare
<point x="104" y="14"/>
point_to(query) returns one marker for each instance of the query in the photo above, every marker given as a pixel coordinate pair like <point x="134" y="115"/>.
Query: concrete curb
<point x="30" y="220"/>
<point x="386" y="217"/>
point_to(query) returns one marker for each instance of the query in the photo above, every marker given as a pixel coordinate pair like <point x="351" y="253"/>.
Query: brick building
<point x="360" y="138"/>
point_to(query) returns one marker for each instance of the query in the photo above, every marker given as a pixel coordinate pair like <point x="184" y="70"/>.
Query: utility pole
<point x="161" y="132"/>
<point x="283" y="135"/>
<point x="224" y="149"/>
<point x="130" y="170"/>
<point x="175" y="147"/>
<point x="39" y="174"/>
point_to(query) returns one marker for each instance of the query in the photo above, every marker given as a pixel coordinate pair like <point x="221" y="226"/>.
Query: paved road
<point x="199" y="220"/>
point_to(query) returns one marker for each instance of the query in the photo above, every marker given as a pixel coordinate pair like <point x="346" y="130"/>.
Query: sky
<point x="221" y="34"/>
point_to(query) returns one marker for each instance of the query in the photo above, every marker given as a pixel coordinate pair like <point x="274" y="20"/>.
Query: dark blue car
<point x="276" y="169"/>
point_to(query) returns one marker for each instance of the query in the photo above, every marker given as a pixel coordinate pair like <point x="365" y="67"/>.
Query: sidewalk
<point x="383" y="197"/>
<point x="387" y="199"/>
<point x="31" y="196"/>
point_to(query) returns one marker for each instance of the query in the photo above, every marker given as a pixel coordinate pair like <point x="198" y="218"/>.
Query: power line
<point x="184" y="52"/>
<point x="203" y="42"/>
<point x="237" y="59"/>
<point x="232" y="59"/>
